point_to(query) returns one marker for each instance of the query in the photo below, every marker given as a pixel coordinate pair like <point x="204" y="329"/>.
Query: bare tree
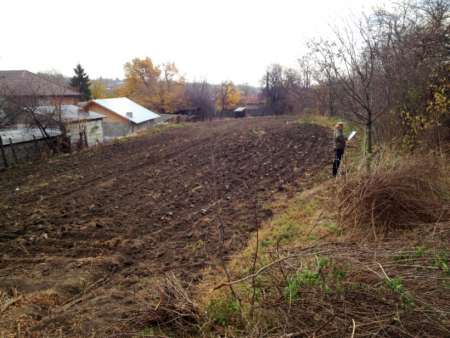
<point x="34" y="103"/>
<point x="352" y="60"/>
<point x="200" y="96"/>
<point x="289" y="90"/>
<point x="387" y="64"/>
<point x="413" y="54"/>
<point x="275" y="91"/>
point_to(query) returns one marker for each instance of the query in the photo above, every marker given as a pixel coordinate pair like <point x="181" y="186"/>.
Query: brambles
<point x="399" y="193"/>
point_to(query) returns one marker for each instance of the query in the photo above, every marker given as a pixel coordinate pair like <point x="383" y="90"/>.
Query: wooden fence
<point x="12" y="154"/>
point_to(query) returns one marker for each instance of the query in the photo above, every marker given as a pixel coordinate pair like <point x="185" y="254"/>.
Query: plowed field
<point x="80" y="234"/>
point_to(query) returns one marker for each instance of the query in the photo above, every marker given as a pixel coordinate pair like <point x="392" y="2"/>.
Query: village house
<point x="23" y="142"/>
<point x="53" y="103"/>
<point x="38" y="115"/>
<point x="27" y="88"/>
<point x="122" y="116"/>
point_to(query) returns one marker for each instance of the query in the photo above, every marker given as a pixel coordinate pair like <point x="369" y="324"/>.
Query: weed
<point x="338" y="273"/>
<point x="420" y="251"/>
<point x="329" y="122"/>
<point x="146" y="332"/>
<point x="332" y="226"/>
<point x="441" y="261"/>
<point x="396" y="285"/>
<point x="287" y="232"/>
<point x="265" y="243"/>
<point x="322" y="262"/>
<point x="402" y="256"/>
<point x="223" y="311"/>
<point x="312" y="237"/>
<point x="299" y="280"/>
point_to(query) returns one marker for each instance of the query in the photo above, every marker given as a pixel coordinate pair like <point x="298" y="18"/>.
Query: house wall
<point x="70" y="100"/>
<point x="109" y="115"/>
<point x="58" y="100"/>
<point x="94" y="131"/>
<point x="112" y="130"/>
<point x="144" y="125"/>
<point x="115" y="125"/>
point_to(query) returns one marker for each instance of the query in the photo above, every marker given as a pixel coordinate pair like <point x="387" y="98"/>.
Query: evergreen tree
<point x="80" y="81"/>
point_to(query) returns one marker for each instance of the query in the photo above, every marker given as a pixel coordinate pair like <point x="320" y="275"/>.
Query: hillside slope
<point x="83" y="237"/>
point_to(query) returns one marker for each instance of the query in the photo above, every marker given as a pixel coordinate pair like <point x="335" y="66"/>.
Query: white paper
<point x="352" y="134"/>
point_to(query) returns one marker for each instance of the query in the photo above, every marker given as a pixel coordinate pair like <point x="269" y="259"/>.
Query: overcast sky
<point x="207" y="39"/>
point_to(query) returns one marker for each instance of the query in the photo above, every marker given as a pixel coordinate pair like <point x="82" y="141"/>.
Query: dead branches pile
<point x="396" y="194"/>
<point x="172" y="308"/>
<point x="396" y="288"/>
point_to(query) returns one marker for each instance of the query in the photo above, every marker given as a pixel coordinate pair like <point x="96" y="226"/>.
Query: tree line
<point x="387" y="70"/>
<point x="164" y="89"/>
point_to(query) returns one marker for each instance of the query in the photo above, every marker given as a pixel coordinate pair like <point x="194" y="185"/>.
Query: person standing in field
<point x="339" y="146"/>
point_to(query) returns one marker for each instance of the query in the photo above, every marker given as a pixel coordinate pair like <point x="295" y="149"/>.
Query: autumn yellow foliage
<point x="228" y="96"/>
<point x="160" y="88"/>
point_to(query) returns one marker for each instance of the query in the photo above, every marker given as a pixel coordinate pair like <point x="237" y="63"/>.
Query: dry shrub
<point x="172" y="308"/>
<point x="399" y="192"/>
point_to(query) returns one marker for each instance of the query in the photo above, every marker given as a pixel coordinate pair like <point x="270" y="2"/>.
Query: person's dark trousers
<point x="337" y="160"/>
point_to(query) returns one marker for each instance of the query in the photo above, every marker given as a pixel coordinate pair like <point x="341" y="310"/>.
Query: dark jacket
<point x="339" y="139"/>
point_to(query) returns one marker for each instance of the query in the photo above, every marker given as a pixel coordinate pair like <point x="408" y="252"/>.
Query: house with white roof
<point x="122" y="116"/>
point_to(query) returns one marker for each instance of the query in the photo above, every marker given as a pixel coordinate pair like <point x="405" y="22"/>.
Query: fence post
<point x="13" y="150"/>
<point x="69" y="144"/>
<point x="85" y="138"/>
<point x="36" y="147"/>
<point x="80" y="140"/>
<point x="2" y="150"/>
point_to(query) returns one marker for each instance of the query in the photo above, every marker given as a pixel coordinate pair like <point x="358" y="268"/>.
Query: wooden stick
<point x="13" y="150"/>
<point x="85" y="138"/>
<point x="354" y="328"/>
<point x="2" y="150"/>
<point x="36" y="147"/>
<point x="265" y="267"/>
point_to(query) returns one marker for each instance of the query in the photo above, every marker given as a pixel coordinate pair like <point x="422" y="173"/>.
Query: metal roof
<point x="124" y="106"/>
<point x="24" y="134"/>
<point x="71" y="113"/>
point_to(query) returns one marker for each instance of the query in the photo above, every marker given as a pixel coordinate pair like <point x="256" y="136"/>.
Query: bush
<point x="398" y="193"/>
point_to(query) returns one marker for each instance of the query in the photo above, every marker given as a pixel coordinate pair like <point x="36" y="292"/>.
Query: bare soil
<point x="81" y="236"/>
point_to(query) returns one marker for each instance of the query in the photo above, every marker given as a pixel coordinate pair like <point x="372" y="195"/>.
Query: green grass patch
<point x="223" y="311"/>
<point x="329" y="122"/>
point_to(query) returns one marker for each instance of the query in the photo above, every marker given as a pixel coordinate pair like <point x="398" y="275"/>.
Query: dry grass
<point x="395" y="288"/>
<point x="172" y="308"/>
<point x="335" y="286"/>
<point x="398" y="193"/>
